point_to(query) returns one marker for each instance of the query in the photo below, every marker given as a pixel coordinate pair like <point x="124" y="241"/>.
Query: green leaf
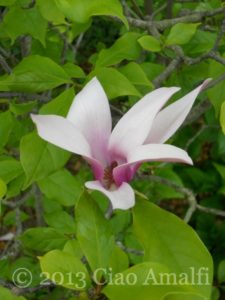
<point x="202" y="42"/>
<point x="8" y="295"/>
<point x="60" y="105"/>
<point x="61" y="221"/>
<point x="6" y="125"/>
<point x="39" y="159"/>
<point x="43" y="239"/>
<point x="222" y="117"/>
<point x="73" y="71"/>
<point x="118" y="260"/>
<point x="82" y="11"/>
<point x="18" y="21"/>
<point x="126" y="47"/>
<point x="120" y="221"/>
<point x="150" y="43"/>
<point x="78" y="28"/>
<point x="15" y="186"/>
<point x="35" y="74"/>
<point x="138" y="282"/>
<point x="221" y="169"/>
<point x="183" y="296"/>
<point x="135" y="74"/>
<point x="215" y="294"/>
<point x="62" y="187"/>
<point x="3" y="188"/>
<point x="221" y="272"/>
<point x="73" y="247"/>
<point x="93" y="233"/>
<point x="114" y="83"/>
<point x="65" y="269"/>
<point x="152" y="70"/>
<point x="22" y="108"/>
<point x="173" y="244"/>
<point x="216" y="94"/>
<point x="50" y="11"/>
<point x="10" y="169"/>
<point x="181" y="33"/>
<point x="7" y="2"/>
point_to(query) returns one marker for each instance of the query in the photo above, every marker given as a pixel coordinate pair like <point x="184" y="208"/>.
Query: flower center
<point x="108" y="179"/>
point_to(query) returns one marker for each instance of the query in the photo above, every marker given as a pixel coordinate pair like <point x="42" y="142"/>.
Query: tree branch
<point x="190" y="197"/>
<point x="164" y="24"/>
<point x="166" y="73"/>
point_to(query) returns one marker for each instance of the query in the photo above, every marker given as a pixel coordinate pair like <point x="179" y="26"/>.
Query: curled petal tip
<point x="190" y="161"/>
<point x="205" y="84"/>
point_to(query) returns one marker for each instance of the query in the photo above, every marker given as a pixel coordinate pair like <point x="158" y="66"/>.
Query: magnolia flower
<point x="115" y="155"/>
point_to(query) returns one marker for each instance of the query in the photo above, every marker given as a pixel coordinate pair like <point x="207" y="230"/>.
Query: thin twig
<point x="210" y="210"/>
<point x="5" y="65"/>
<point x="167" y="23"/>
<point x="190" y="197"/>
<point x="129" y="250"/>
<point x="167" y="72"/>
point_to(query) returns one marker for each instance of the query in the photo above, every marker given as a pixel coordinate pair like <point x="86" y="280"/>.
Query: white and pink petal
<point x="121" y="197"/>
<point x="146" y="153"/>
<point x="90" y="114"/>
<point x="168" y="120"/>
<point x="134" y="126"/>
<point x="62" y="133"/>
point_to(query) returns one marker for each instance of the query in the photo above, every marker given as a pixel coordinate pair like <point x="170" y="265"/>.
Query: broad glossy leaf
<point x="135" y="74"/>
<point x="10" y="169"/>
<point x="7" y="294"/>
<point x="215" y="294"/>
<point x="150" y="43"/>
<point x="93" y="233"/>
<point x="221" y="272"/>
<point x="61" y="221"/>
<point x="152" y="70"/>
<point x="35" y="74"/>
<point x="82" y="11"/>
<point x="61" y="186"/>
<point x="73" y="71"/>
<point x="78" y="28"/>
<point x="181" y="33"/>
<point x="141" y="281"/>
<point x="114" y="83"/>
<point x="183" y="296"/>
<point x="15" y="186"/>
<point x="201" y="42"/>
<point x="3" y="188"/>
<point x="216" y="94"/>
<point x="65" y="269"/>
<point x="43" y="239"/>
<point x="221" y="169"/>
<point x="19" y="21"/>
<point x="50" y="11"/>
<point x="6" y="125"/>
<point x="73" y="247"/>
<point x="126" y="47"/>
<point x="39" y="158"/>
<point x="7" y="2"/>
<point x="167" y="240"/>
<point x="222" y="117"/>
<point x="118" y="260"/>
<point x="22" y="108"/>
<point x="59" y="105"/>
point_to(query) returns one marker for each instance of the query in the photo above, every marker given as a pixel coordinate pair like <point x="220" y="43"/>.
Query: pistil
<point x="108" y="179"/>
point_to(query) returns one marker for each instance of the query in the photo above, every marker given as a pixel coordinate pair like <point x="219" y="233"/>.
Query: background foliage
<point x="48" y="50"/>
